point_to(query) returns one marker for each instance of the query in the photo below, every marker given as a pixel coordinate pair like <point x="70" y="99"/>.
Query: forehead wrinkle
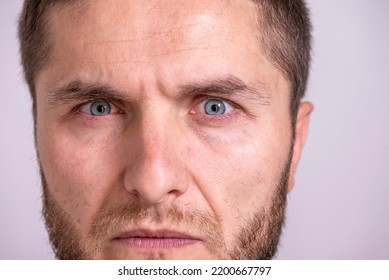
<point x="138" y="28"/>
<point x="141" y="36"/>
<point x="126" y="56"/>
<point x="152" y="44"/>
<point x="148" y="36"/>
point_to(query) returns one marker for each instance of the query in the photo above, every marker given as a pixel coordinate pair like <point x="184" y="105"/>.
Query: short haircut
<point x="284" y="25"/>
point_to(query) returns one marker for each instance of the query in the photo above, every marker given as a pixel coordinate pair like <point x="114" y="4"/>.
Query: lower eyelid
<point x="216" y="121"/>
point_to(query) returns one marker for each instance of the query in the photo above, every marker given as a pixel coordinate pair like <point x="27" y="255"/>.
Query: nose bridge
<point x="156" y="175"/>
<point x="157" y="132"/>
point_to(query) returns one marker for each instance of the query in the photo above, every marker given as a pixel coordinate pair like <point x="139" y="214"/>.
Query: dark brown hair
<point x="34" y="45"/>
<point x="285" y="32"/>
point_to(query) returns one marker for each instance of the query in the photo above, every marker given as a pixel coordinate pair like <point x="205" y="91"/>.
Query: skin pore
<point x="163" y="132"/>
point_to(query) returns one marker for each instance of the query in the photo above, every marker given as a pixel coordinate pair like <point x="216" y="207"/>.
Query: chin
<point x="156" y="255"/>
<point x="123" y="251"/>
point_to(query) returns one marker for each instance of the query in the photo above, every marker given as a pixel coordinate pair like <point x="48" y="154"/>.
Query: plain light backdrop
<point x="339" y="207"/>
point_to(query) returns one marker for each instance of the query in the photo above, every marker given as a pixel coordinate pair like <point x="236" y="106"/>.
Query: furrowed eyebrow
<point x="81" y="91"/>
<point x="228" y="86"/>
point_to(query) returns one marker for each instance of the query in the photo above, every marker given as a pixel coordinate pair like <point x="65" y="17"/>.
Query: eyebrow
<point x="228" y="86"/>
<point x="84" y="91"/>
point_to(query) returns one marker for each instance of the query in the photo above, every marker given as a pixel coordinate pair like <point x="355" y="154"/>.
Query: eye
<point x="97" y="108"/>
<point x="216" y="107"/>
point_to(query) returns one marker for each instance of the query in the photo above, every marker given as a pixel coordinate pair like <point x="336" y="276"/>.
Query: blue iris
<point x="100" y="108"/>
<point x="215" y="107"/>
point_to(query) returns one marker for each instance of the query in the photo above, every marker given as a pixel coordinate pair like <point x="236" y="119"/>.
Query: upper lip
<point x="146" y="233"/>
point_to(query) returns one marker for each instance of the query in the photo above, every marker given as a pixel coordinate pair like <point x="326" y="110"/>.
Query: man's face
<point x="163" y="131"/>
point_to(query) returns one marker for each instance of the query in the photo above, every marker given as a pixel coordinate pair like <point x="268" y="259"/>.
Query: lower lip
<point x="156" y="243"/>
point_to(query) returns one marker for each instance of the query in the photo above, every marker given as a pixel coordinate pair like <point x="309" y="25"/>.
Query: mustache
<point x="109" y="222"/>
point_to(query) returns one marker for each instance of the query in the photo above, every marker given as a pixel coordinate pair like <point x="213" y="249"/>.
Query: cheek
<point x="239" y="173"/>
<point x="79" y="171"/>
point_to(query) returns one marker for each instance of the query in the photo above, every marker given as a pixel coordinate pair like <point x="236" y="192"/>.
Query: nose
<point x="156" y="172"/>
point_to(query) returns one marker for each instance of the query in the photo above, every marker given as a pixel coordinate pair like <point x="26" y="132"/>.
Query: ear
<point x="302" y="122"/>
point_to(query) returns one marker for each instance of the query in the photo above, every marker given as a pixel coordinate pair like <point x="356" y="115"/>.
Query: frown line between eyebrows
<point x="81" y="91"/>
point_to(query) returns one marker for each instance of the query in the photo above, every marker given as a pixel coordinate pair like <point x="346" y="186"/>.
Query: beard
<point x="256" y="239"/>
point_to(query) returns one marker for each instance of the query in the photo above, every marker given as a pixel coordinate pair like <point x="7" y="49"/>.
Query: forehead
<point x="142" y="16"/>
<point x="101" y="24"/>
<point x="185" y="37"/>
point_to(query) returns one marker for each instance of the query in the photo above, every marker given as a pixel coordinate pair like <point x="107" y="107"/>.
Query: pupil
<point x="215" y="107"/>
<point x="101" y="109"/>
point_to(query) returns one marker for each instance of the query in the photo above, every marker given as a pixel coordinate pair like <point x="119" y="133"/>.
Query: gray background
<point x="338" y="208"/>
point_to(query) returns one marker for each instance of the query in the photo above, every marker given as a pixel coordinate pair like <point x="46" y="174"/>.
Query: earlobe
<point x="301" y="131"/>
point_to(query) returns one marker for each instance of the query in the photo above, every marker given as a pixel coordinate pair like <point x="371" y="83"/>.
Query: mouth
<point x="155" y="240"/>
